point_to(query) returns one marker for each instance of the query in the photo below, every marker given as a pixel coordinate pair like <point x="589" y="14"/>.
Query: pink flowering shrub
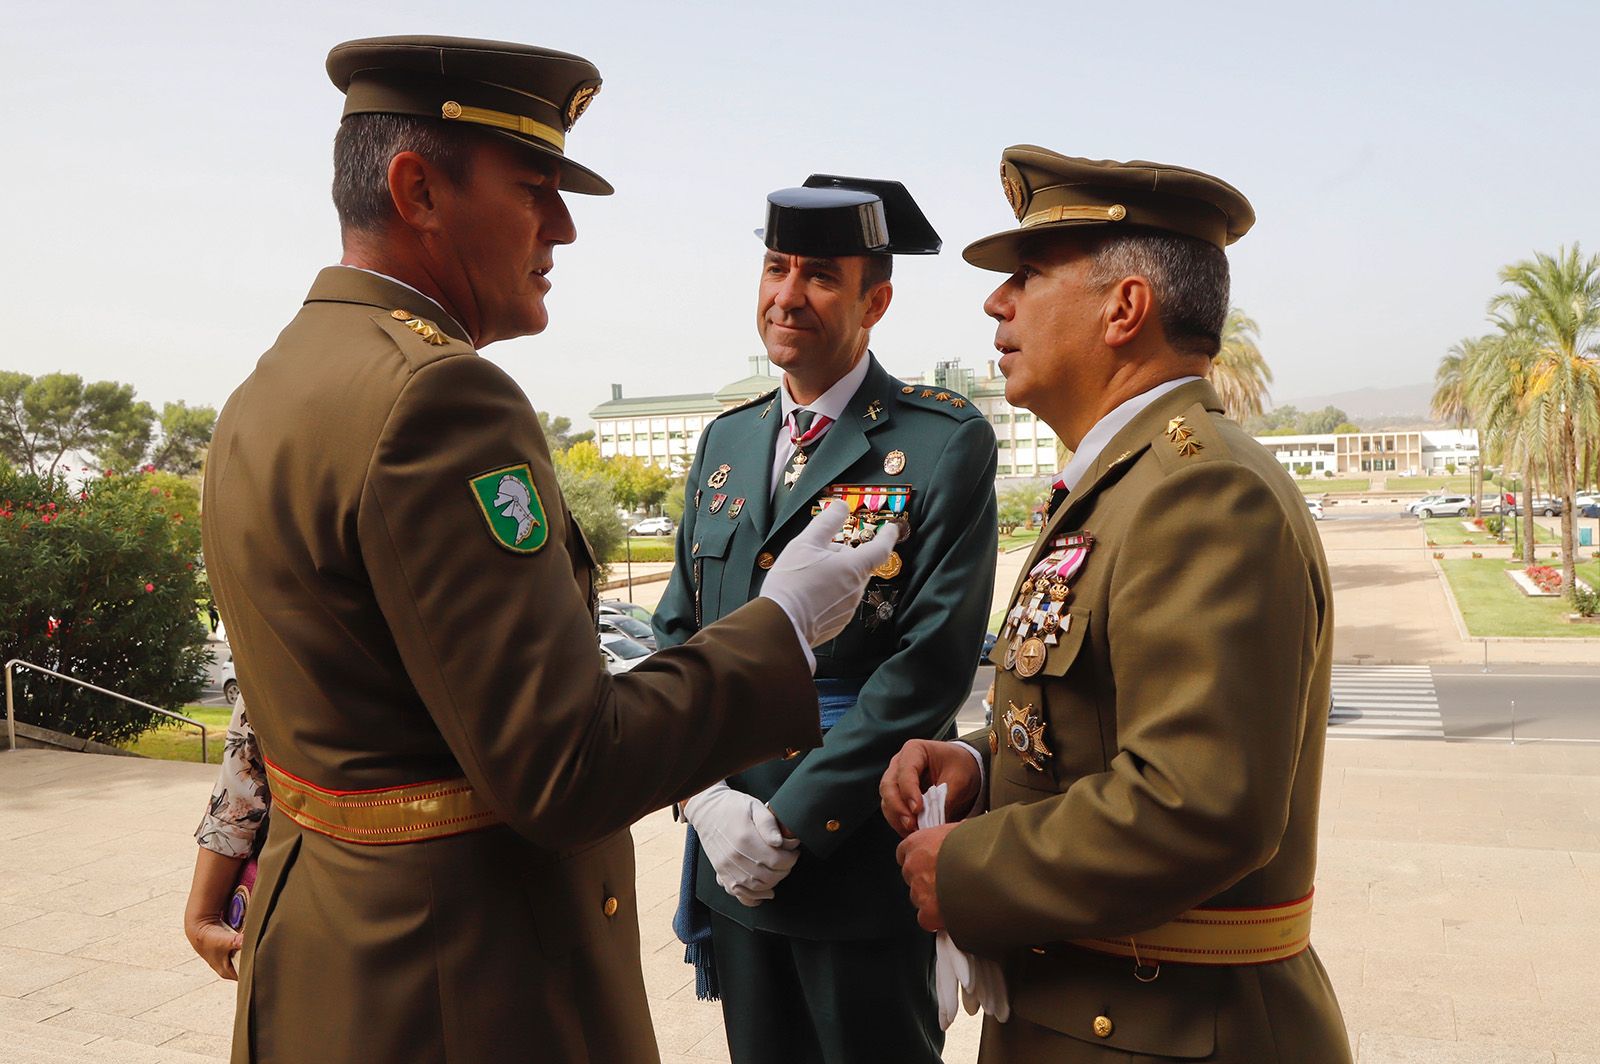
<point x="101" y="585"/>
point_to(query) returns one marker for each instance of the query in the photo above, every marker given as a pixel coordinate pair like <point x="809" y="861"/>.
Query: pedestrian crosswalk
<point x="1384" y="702"/>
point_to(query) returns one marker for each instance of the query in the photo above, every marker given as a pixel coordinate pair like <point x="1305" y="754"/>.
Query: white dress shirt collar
<point x="832" y="402"/>
<point x="1095" y="440"/>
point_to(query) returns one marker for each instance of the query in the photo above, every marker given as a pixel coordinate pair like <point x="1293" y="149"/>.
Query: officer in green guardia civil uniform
<point x="1139" y="841"/>
<point x="449" y="875"/>
<point x="791" y="870"/>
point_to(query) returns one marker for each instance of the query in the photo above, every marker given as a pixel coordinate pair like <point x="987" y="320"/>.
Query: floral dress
<point x="239" y="802"/>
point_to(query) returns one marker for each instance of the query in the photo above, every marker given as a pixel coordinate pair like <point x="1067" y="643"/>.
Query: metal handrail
<point x="11" y="724"/>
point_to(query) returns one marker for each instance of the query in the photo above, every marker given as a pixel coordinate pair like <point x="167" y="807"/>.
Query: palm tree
<point x="1239" y="372"/>
<point x="1450" y="402"/>
<point x="1500" y="391"/>
<point x="1557" y="298"/>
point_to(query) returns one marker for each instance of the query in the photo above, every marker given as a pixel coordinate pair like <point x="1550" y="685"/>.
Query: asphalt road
<point x="1551" y="702"/>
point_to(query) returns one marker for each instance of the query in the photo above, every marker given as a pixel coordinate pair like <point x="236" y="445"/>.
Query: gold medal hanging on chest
<point x="1025" y="736"/>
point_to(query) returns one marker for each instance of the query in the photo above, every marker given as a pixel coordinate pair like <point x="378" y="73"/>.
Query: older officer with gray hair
<point x="1140" y="827"/>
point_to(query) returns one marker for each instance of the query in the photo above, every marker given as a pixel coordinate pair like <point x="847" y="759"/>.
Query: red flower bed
<point x="1547" y="579"/>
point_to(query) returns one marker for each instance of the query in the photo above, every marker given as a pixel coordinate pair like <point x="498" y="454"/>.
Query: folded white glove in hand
<point x="742" y="840"/>
<point x="980" y="981"/>
<point x="819" y="583"/>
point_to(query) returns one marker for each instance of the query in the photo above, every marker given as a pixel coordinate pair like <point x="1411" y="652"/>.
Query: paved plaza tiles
<point x="1458" y="910"/>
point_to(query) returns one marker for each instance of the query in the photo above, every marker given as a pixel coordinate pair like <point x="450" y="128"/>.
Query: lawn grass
<point x="1447" y="532"/>
<point x="1022" y="537"/>
<point x="1493" y="606"/>
<point x="1431" y="485"/>
<point x="1316" y="486"/>
<point x="174" y="741"/>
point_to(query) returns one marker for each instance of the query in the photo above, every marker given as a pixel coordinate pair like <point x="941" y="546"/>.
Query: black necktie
<point x="1057" y="497"/>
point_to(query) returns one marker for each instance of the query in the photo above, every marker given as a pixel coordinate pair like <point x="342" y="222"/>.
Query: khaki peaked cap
<point x="527" y="94"/>
<point x="1049" y="191"/>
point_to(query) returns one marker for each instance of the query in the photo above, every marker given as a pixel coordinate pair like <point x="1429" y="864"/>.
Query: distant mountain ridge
<point x="1408" y="402"/>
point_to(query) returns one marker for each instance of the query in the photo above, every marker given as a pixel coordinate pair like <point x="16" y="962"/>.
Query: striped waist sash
<point x="1217" y="936"/>
<point x="387" y="816"/>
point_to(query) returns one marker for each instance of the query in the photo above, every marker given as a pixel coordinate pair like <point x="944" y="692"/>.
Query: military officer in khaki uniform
<point x="817" y="952"/>
<point x="1141" y="820"/>
<point x="449" y="876"/>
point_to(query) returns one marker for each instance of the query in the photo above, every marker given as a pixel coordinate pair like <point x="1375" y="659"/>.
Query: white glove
<point x="979" y="980"/>
<point x="742" y="839"/>
<point x="818" y="582"/>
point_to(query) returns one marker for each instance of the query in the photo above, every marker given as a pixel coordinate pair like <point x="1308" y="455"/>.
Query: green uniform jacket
<point x="385" y="637"/>
<point x="1186" y="711"/>
<point x="918" y="664"/>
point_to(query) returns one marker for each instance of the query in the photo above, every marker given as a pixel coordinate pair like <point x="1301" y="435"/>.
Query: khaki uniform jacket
<point x="386" y="637"/>
<point x="1185" y="711"/>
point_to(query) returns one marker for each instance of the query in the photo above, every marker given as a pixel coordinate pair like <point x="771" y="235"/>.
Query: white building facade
<point x="664" y="430"/>
<point x="1404" y="452"/>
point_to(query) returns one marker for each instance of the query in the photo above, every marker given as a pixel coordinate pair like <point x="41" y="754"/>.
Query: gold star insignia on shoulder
<point x="421" y="328"/>
<point x="927" y="393"/>
<point x="943" y="397"/>
<point x="1189" y="448"/>
<point x="1177" y="432"/>
<point x="958" y="402"/>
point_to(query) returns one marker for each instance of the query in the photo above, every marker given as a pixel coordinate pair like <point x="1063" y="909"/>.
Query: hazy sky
<point x="166" y="168"/>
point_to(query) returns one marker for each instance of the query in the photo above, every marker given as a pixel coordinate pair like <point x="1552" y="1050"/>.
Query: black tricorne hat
<point x="836" y="216"/>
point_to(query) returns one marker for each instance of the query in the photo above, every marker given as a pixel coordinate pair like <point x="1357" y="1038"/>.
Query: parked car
<point x="1586" y="498"/>
<point x="618" y="608"/>
<point x="230" y="682"/>
<point x="1541" y="505"/>
<point x="1493" y="504"/>
<point x="620" y="653"/>
<point x="1316" y="508"/>
<point x="653" y="526"/>
<point x="1417" y="504"/>
<point x="1590" y="509"/>
<point x="631" y="627"/>
<point x="989" y="640"/>
<point x="1438" y="505"/>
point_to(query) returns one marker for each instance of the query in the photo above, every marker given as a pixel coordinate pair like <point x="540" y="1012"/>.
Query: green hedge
<point x="653" y="549"/>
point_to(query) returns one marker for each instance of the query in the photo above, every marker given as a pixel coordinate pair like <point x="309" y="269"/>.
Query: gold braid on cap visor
<point x="503" y="120"/>
<point x="1114" y="213"/>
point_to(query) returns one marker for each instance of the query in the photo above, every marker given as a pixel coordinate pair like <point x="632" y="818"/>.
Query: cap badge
<point x="450" y="109"/>
<point x="580" y="103"/>
<point x="1013" y="190"/>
